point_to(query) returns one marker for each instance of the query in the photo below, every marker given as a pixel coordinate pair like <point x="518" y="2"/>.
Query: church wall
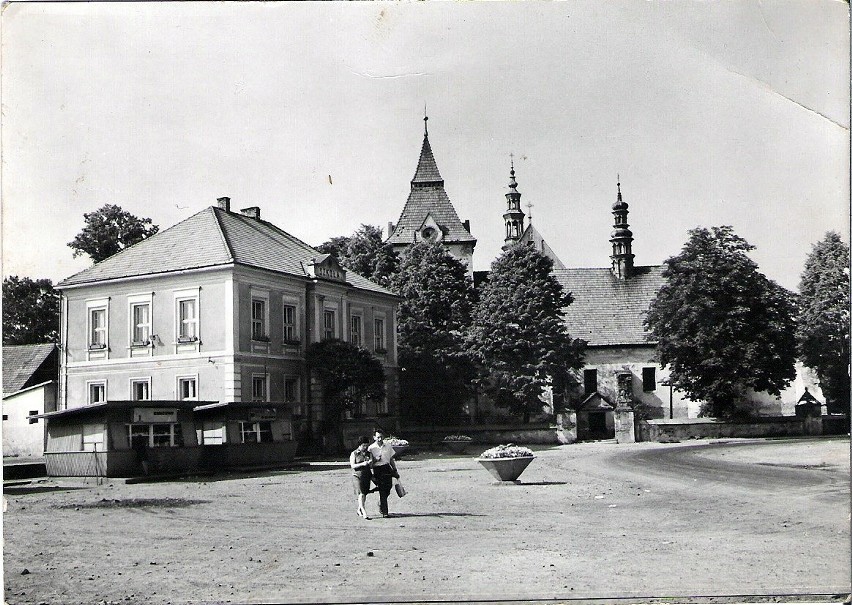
<point x="609" y="361"/>
<point x="658" y="401"/>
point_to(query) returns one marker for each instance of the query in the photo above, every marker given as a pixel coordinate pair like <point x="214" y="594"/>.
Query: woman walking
<point x="361" y="462"/>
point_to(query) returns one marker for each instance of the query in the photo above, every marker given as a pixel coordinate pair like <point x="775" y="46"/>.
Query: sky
<point x="710" y="113"/>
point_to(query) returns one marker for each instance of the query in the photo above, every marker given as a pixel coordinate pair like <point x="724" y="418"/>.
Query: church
<point x="609" y="305"/>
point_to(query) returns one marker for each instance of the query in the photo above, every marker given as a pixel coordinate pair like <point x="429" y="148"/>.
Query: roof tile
<point x="21" y="362"/>
<point x="607" y="310"/>
<point x="209" y="238"/>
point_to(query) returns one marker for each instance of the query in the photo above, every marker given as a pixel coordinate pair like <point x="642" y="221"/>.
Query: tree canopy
<point x="348" y="374"/>
<point x="518" y="334"/>
<point x="823" y="327"/>
<point x="722" y="326"/>
<point x="365" y="253"/>
<point x="110" y="230"/>
<point x="434" y="315"/>
<point x="30" y="311"/>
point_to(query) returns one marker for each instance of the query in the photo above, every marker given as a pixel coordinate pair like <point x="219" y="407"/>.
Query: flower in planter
<point x="458" y="438"/>
<point x="507" y="451"/>
<point x="395" y="441"/>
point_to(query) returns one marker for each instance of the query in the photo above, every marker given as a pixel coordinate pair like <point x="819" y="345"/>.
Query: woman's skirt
<point x="361" y="483"/>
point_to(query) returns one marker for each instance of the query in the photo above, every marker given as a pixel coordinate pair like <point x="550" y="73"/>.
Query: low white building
<point x="29" y="389"/>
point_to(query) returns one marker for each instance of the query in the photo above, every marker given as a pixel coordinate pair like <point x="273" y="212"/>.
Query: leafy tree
<point x="30" y="311"/>
<point x="109" y="230"/>
<point x="365" y="253"/>
<point x="434" y="314"/>
<point x="722" y="326"/>
<point x="518" y="333"/>
<point x="348" y="375"/>
<point x="823" y="326"/>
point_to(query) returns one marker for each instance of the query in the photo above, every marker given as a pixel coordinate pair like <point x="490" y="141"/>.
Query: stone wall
<point x="708" y="428"/>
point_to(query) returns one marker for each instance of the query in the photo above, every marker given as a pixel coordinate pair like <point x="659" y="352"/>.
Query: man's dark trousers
<point x="384" y="481"/>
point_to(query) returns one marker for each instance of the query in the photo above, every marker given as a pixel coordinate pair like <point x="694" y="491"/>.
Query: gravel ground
<point x="741" y="520"/>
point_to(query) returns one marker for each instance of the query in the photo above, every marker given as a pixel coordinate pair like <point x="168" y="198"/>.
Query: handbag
<point x="400" y="490"/>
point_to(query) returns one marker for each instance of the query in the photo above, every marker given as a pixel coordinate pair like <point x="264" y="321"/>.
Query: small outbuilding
<point x="29" y="389"/>
<point x="132" y="438"/>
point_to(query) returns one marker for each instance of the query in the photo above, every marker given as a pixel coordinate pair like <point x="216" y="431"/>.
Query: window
<point x="328" y="331"/>
<point x="187" y="389"/>
<point x="590" y="381"/>
<point x="5" y="416"/>
<point x="381" y="344"/>
<point x="33" y="413"/>
<point x="212" y="433"/>
<point x="97" y="328"/>
<point x="290" y="334"/>
<point x="383" y="406"/>
<point x="291" y="389"/>
<point x="258" y="319"/>
<point x="93" y="438"/>
<point x="356" y="331"/>
<point x="256" y="432"/>
<point x="140" y="314"/>
<point x="258" y="388"/>
<point x="649" y="379"/>
<point x="97" y="392"/>
<point x="155" y="435"/>
<point x="140" y="390"/>
<point x="187" y="327"/>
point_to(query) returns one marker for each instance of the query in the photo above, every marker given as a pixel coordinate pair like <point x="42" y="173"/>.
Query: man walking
<point x="384" y="469"/>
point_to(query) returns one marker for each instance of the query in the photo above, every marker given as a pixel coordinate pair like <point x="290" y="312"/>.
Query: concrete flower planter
<point x="457" y="447"/>
<point x="506" y="469"/>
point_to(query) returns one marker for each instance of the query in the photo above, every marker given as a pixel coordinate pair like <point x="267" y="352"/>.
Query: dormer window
<point x="429" y="234"/>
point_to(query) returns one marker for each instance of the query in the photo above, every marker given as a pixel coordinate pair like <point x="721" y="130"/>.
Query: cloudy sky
<point x="712" y="113"/>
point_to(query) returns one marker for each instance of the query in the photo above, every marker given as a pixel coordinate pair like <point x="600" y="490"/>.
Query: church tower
<point x="514" y="216"/>
<point x="621" y="239"/>
<point x="428" y="214"/>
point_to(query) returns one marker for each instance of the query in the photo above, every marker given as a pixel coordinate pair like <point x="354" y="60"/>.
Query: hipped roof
<point x="210" y="238"/>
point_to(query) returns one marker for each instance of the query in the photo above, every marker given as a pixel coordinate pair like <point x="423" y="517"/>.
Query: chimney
<point x="390" y="228"/>
<point x="251" y="211"/>
<point x="466" y="225"/>
<point x="224" y="203"/>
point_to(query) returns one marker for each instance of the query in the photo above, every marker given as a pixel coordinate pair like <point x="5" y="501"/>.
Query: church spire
<point x="621" y="239"/>
<point x="427" y="169"/>
<point x="514" y="216"/>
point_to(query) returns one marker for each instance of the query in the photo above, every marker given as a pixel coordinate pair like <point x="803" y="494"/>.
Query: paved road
<point x="741" y="463"/>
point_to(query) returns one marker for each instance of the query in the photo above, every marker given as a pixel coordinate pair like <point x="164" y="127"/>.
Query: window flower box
<point x="187" y="339"/>
<point x="97" y="347"/>
<point x="506" y="462"/>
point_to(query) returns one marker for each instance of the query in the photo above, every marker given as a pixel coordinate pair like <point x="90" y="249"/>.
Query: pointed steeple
<point x="514" y="216"/>
<point x="621" y="239"/>
<point x="427" y="169"/>
<point x="428" y="215"/>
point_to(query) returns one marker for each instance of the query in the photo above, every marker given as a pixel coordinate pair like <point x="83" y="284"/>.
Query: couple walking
<point x="373" y="462"/>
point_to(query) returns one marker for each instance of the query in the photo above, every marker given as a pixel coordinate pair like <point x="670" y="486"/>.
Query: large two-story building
<point x="187" y="349"/>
